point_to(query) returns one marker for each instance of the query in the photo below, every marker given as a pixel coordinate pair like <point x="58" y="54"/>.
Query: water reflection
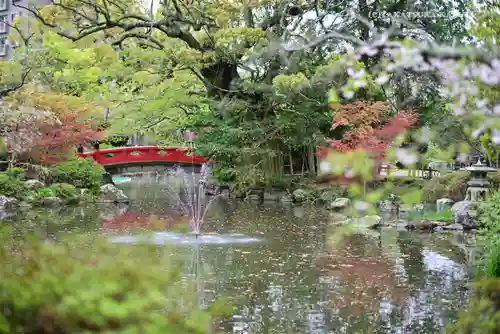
<point x="391" y="282"/>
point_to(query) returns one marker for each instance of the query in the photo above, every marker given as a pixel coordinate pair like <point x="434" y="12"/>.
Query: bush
<point x="82" y="173"/>
<point x="456" y="185"/>
<point x="48" y="288"/>
<point x="481" y="316"/>
<point x="495" y="180"/>
<point x="489" y="213"/>
<point x="450" y="185"/>
<point x="11" y="186"/>
<point x="443" y="216"/>
<point x="490" y="265"/>
<point x="64" y="191"/>
<point x="433" y="190"/>
<point x="16" y="172"/>
<point x="38" y="195"/>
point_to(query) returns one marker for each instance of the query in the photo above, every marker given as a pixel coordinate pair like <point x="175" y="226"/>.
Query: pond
<point x="294" y="280"/>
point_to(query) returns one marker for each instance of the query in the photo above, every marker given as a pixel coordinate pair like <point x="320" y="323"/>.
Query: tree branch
<point x="6" y="91"/>
<point x="167" y="24"/>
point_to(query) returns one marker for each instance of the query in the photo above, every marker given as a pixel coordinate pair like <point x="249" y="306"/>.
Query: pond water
<point x="294" y="280"/>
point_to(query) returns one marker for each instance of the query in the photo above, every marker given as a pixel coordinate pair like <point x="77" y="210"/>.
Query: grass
<point x="491" y="265"/>
<point x="443" y="216"/>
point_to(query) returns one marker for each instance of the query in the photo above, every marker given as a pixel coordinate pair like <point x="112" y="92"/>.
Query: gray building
<point x="8" y="14"/>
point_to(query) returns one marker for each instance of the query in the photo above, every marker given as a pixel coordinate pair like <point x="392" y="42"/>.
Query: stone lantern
<point x="478" y="184"/>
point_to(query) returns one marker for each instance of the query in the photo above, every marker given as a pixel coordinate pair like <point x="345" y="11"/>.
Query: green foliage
<point x="42" y="193"/>
<point x="64" y="191"/>
<point x="224" y="174"/>
<point x="48" y="288"/>
<point x="489" y="213"/>
<point x="82" y="173"/>
<point x="490" y="265"/>
<point x="332" y="193"/>
<point x="482" y="313"/>
<point x="494" y="180"/>
<point x="443" y="216"/>
<point x="433" y="190"/>
<point x="11" y="186"/>
<point x="456" y="184"/>
<point x="16" y="172"/>
<point x="252" y="134"/>
<point x="450" y="185"/>
<point x="280" y="182"/>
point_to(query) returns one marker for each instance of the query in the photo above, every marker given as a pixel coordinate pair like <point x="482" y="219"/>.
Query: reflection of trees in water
<point x="413" y="258"/>
<point x="429" y="307"/>
<point x="435" y="284"/>
<point x="270" y="290"/>
<point x="369" y="291"/>
<point x="52" y="223"/>
<point x="273" y="284"/>
<point x="364" y="279"/>
<point x="166" y="191"/>
<point x="280" y="285"/>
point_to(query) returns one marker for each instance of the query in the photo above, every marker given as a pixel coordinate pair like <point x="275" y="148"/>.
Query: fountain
<point x="192" y="200"/>
<point x="478" y="183"/>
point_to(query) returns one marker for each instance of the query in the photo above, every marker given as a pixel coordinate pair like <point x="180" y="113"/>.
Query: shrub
<point x="16" y="172"/>
<point x="450" y="185"/>
<point x="48" y="288"/>
<point x="456" y="185"/>
<point x="433" y="190"/>
<point x="481" y="316"/>
<point x="64" y="191"/>
<point x="490" y="265"/>
<point x="443" y="216"/>
<point x="82" y="173"/>
<point x="11" y="186"/>
<point x="279" y="182"/>
<point x="489" y="213"/>
<point x="40" y="194"/>
<point x="494" y="180"/>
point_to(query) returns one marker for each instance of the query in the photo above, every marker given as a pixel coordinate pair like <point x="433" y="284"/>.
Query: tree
<point x="220" y="38"/>
<point x="12" y="77"/>
<point x="165" y="68"/>
<point x="369" y="129"/>
<point x="461" y="128"/>
<point x="199" y="63"/>
<point x="486" y="33"/>
<point x="15" y="72"/>
<point x="60" y="138"/>
<point x="369" y="123"/>
<point x="21" y="128"/>
<point x="40" y="125"/>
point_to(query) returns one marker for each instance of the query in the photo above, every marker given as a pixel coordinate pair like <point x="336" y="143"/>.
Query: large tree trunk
<point x="219" y="77"/>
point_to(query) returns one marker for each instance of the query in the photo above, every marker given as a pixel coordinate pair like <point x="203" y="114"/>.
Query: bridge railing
<point x="427" y="173"/>
<point x="124" y="155"/>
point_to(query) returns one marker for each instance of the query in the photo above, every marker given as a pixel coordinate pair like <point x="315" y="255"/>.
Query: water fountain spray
<point x="193" y="197"/>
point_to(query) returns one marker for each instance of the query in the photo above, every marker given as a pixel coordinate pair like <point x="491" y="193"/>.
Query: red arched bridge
<point x="126" y="158"/>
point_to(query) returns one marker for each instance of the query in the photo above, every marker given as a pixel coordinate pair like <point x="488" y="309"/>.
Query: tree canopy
<point x="255" y="69"/>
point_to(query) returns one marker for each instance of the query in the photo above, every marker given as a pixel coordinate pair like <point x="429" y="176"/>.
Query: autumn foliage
<point x="59" y="138"/>
<point x="369" y="126"/>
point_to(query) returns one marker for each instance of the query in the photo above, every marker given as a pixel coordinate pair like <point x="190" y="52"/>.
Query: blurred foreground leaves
<point x="87" y="285"/>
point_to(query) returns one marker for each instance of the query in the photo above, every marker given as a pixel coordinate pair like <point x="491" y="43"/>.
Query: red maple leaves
<point x="60" y="138"/>
<point x="369" y="127"/>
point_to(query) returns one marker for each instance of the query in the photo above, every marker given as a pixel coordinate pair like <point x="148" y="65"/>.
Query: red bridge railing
<point x="138" y="154"/>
